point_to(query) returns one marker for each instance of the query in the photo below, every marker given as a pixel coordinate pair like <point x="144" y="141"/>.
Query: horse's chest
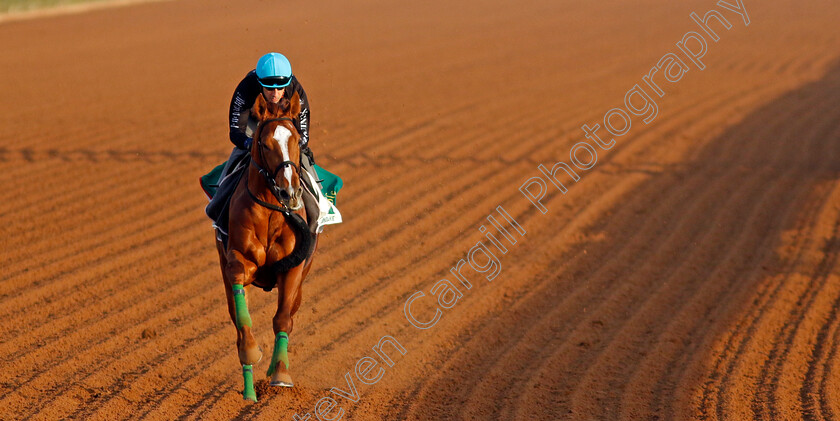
<point x="281" y="242"/>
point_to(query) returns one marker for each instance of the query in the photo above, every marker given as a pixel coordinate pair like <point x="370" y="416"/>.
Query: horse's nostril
<point x="284" y="195"/>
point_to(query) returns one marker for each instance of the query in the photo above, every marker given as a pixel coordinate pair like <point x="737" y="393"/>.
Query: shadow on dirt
<point x="91" y="155"/>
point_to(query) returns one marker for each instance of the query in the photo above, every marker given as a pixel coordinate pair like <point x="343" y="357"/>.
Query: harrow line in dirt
<point x="828" y="402"/>
<point x="258" y="310"/>
<point x="99" y="365"/>
<point x="639" y="385"/>
<point x="812" y="132"/>
<point x="772" y="372"/>
<point x="814" y="402"/>
<point x="64" y="198"/>
<point x="54" y="207"/>
<point x="707" y="390"/>
<point x="391" y="139"/>
<point x="516" y="139"/>
<point x="491" y="383"/>
<point x="817" y="406"/>
<point x="85" y="411"/>
<point x="27" y="301"/>
<point x="738" y="337"/>
<point x="168" y="373"/>
<point x="106" y="232"/>
<point x="787" y="209"/>
<point x="507" y="129"/>
<point x="622" y="300"/>
<point x="353" y="302"/>
<point x="393" y="232"/>
<point x="673" y="370"/>
<point x="660" y="392"/>
<point x="827" y="397"/>
<point x="75" y="319"/>
<point x="59" y="357"/>
<point x="745" y="331"/>
<point x="379" y="315"/>
<point x="433" y="385"/>
<point x="441" y="122"/>
<point x="410" y="342"/>
<point x="392" y="209"/>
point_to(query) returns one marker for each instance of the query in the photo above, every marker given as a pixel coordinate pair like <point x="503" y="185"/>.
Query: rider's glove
<point x="247" y="143"/>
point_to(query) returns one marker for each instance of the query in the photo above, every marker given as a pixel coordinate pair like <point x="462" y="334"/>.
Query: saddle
<point x="220" y="183"/>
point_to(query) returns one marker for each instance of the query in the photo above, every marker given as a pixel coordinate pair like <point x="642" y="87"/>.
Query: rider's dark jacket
<point x="243" y="99"/>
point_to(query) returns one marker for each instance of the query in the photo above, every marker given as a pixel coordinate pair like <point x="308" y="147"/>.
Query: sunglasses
<point x="275" y="82"/>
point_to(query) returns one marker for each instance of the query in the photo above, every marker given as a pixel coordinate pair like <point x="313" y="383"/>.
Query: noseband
<point x="270" y="177"/>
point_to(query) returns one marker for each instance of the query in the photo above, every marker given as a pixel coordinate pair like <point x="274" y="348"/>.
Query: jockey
<point x="273" y="79"/>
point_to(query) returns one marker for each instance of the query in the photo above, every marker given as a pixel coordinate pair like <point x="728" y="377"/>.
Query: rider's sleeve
<point x="243" y="99"/>
<point x="302" y="122"/>
<point x="303" y="118"/>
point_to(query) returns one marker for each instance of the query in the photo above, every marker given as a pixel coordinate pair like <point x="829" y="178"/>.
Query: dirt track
<point x="693" y="273"/>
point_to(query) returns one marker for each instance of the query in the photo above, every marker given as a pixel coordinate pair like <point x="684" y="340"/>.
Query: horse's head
<point x="276" y="149"/>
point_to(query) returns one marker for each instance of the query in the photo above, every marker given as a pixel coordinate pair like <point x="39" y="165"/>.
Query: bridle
<point x="270" y="176"/>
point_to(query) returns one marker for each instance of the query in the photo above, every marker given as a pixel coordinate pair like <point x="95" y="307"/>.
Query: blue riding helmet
<point x="274" y="71"/>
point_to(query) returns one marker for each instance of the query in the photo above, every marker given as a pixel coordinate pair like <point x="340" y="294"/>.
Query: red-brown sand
<point x="691" y="274"/>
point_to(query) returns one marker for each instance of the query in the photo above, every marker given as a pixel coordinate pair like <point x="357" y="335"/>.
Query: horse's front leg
<point x="240" y="273"/>
<point x="289" y="296"/>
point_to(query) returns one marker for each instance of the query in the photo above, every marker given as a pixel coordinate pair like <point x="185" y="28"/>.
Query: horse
<point x="268" y="238"/>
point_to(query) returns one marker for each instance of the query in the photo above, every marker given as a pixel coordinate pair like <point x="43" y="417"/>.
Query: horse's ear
<point x="295" y="105"/>
<point x="260" y="109"/>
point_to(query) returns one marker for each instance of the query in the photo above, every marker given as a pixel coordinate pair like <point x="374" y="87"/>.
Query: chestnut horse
<point x="269" y="240"/>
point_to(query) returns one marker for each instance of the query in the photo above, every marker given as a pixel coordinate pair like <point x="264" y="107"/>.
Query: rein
<point x="284" y="210"/>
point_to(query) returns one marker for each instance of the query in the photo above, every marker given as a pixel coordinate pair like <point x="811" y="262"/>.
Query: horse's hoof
<point x="282" y="379"/>
<point x="282" y="383"/>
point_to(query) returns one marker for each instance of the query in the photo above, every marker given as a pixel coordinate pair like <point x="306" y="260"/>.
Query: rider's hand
<point x="247" y="143"/>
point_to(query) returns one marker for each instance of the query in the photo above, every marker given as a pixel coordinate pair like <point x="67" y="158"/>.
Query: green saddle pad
<point x="210" y="181"/>
<point x="330" y="183"/>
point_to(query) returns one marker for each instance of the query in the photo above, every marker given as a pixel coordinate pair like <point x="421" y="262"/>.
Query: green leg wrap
<point x="243" y="318"/>
<point x="281" y="347"/>
<point x="249" y="393"/>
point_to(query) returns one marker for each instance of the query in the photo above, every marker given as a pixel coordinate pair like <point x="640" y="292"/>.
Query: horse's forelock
<point x="280" y="109"/>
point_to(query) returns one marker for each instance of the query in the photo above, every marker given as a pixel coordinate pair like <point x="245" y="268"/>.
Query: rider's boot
<point x="312" y="211"/>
